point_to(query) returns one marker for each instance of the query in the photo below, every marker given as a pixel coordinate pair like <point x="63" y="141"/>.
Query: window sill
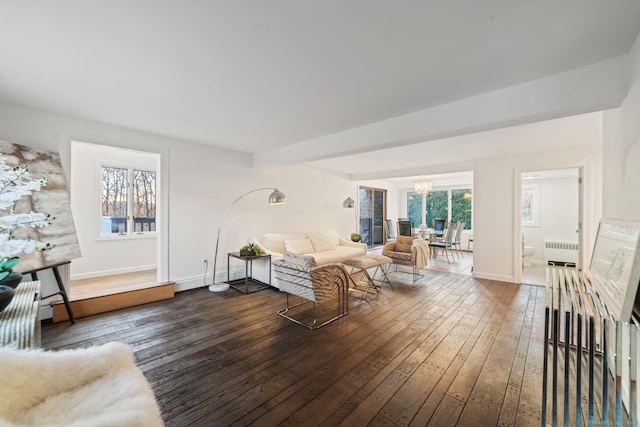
<point x="112" y="237"/>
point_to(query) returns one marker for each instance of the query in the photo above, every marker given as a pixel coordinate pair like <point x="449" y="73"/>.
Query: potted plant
<point x="9" y="277"/>
<point x="250" y="250"/>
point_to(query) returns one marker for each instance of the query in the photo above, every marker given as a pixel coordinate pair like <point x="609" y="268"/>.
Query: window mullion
<point x="130" y="222"/>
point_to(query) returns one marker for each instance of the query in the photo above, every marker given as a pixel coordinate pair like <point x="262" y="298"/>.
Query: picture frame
<point x="52" y="199"/>
<point x="530" y="209"/>
<point x="614" y="271"/>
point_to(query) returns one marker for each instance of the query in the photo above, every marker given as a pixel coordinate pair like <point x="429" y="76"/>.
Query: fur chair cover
<point x="97" y="386"/>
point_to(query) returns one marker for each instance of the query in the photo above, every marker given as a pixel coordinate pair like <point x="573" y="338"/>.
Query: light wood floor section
<point x="462" y="265"/>
<point x="116" y="283"/>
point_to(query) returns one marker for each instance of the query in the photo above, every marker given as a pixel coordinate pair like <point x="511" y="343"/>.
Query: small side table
<point x="248" y="284"/>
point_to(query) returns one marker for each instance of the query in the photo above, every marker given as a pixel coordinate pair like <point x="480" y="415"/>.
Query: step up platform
<point x="83" y="305"/>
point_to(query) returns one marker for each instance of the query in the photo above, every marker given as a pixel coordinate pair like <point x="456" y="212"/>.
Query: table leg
<point x="246" y="275"/>
<point x="385" y="278"/>
<point x="61" y="291"/>
<point x="370" y="282"/>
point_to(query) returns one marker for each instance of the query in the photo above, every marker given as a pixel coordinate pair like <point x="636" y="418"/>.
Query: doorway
<point x="550" y="212"/>
<point x="116" y="237"/>
<point x="373" y="211"/>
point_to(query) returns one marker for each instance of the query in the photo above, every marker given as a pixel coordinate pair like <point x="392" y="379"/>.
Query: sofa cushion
<point x="275" y="241"/>
<point x="329" y="235"/>
<point x="339" y="254"/>
<point x="404" y="243"/>
<point x="323" y="243"/>
<point x="298" y="246"/>
<point x="304" y="261"/>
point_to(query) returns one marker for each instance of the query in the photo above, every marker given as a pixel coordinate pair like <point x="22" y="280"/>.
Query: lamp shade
<point x="348" y="203"/>
<point x="277" y="197"/>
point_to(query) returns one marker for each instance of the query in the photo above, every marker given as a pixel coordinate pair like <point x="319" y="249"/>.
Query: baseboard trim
<point x="113" y="272"/>
<point x="489" y="276"/>
<point x="235" y="273"/>
<point x="194" y="283"/>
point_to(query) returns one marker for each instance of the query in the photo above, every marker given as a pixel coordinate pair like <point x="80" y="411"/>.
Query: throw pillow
<point x="329" y="234"/>
<point x="298" y="246"/>
<point x="304" y="261"/>
<point x="275" y="241"/>
<point x="323" y="243"/>
<point x="404" y="243"/>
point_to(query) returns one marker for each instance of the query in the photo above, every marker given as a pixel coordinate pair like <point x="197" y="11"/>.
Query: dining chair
<point x="390" y="230"/>
<point x="405" y="227"/>
<point x="446" y="242"/>
<point x="456" y="240"/>
<point x="438" y="226"/>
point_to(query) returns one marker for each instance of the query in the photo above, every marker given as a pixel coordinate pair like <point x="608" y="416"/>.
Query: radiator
<point x="560" y="253"/>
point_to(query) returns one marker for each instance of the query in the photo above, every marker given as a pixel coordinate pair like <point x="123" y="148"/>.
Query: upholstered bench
<point x="364" y="263"/>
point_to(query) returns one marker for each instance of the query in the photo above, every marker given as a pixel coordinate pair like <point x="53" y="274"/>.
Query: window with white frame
<point x="450" y="205"/>
<point x="128" y="201"/>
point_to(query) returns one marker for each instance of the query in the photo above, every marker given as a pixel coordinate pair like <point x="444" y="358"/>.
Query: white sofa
<point x="326" y="247"/>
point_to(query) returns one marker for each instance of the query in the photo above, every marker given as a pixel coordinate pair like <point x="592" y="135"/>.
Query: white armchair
<point x="298" y="275"/>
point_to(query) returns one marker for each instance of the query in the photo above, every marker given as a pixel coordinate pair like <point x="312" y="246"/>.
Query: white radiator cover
<point x="558" y="251"/>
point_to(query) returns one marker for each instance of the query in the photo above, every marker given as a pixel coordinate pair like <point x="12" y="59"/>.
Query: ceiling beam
<point x="591" y="88"/>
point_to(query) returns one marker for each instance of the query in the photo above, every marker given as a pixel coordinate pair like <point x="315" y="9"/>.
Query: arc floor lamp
<point x="349" y="203"/>
<point x="275" y="198"/>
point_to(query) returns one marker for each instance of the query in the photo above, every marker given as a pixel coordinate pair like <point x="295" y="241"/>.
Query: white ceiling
<point x="257" y="75"/>
<point x="458" y="153"/>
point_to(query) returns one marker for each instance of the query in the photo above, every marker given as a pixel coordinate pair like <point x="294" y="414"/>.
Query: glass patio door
<point x="373" y="210"/>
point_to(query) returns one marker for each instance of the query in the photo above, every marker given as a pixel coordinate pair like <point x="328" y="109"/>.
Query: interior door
<point x="551" y="203"/>
<point x="373" y="210"/>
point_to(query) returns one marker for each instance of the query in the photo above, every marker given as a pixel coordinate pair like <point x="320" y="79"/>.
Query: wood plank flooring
<point x="448" y="350"/>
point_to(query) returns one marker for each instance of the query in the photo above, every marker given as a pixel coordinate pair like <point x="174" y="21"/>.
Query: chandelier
<point x="422" y="187"/>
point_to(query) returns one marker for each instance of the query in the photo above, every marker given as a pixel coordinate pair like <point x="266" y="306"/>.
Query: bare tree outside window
<point x="114" y="200"/>
<point x="122" y="189"/>
<point x="144" y="201"/>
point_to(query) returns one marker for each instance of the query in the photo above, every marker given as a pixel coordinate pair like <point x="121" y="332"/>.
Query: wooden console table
<point x="20" y="321"/>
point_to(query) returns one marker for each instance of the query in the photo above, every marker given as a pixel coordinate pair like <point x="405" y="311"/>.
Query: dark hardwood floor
<point x="447" y="350"/>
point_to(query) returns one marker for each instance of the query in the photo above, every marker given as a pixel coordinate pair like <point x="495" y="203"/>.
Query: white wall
<point x="204" y="182"/>
<point x="114" y="254"/>
<point x="621" y="174"/>
<point x="622" y="150"/>
<point x="198" y="183"/>
<point x="497" y="248"/>
<point x="558" y="215"/>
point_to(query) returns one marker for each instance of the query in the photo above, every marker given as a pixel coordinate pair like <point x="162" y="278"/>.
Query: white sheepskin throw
<point x="97" y="386"/>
